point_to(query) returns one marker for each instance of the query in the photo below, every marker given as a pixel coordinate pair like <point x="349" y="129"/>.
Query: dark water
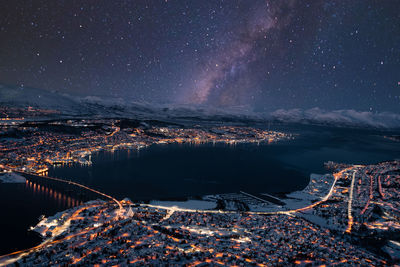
<point x="174" y="171"/>
<point x="178" y="171"/>
<point x="21" y="206"/>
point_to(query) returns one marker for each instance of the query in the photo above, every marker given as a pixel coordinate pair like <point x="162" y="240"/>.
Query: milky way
<point x="261" y="54"/>
<point x="226" y="78"/>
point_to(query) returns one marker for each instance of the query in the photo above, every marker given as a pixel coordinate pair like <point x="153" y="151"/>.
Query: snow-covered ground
<point x="311" y="193"/>
<point x="189" y="204"/>
<point x="179" y="233"/>
<point x="12" y="178"/>
<point x="393" y="249"/>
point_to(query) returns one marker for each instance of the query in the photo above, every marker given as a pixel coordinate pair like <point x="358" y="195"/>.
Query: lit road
<point x="349" y="207"/>
<point x="286" y="212"/>
<point x="15" y="256"/>
<point x="79" y="185"/>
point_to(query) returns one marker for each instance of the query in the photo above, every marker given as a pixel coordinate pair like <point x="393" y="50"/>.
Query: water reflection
<point x="61" y="199"/>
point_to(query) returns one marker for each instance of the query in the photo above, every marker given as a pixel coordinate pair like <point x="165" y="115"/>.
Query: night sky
<point x="267" y="55"/>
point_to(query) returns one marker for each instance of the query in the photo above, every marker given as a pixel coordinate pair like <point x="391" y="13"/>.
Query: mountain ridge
<point x="21" y="96"/>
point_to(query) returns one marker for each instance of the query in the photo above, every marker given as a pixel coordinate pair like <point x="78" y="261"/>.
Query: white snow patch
<point x="12" y="178"/>
<point x="393" y="249"/>
<point x="190" y="204"/>
<point x="303" y="198"/>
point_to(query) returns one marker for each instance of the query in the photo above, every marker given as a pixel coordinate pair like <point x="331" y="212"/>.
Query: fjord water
<point x="176" y="171"/>
<point x="179" y="171"/>
<point x="21" y="206"/>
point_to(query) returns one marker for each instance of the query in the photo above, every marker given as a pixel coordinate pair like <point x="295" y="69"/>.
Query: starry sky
<point x="263" y="54"/>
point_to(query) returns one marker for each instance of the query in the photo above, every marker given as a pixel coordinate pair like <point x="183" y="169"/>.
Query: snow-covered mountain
<point x="345" y="117"/>
<point x="17" y="96"/>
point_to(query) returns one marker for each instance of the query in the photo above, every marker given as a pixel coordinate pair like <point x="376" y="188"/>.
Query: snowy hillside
<point x="17" y="96"/>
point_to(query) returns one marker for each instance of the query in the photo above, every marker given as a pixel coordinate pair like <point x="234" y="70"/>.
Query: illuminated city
<point x="46" y="148"/>
<point x="321" y="224"/>
<point x="355" y="203"/>
<point x="200" y="133"/>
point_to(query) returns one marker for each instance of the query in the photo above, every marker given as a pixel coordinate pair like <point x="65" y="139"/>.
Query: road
<point x="349" y="207"/>
<point x="13" y="257"/>
<point x="76" y="184"/>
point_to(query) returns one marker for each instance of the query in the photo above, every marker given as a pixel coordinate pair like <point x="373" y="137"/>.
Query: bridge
<point x="43" y="178"/>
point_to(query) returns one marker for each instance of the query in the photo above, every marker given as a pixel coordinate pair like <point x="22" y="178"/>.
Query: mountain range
<point x="95" y="106"/>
